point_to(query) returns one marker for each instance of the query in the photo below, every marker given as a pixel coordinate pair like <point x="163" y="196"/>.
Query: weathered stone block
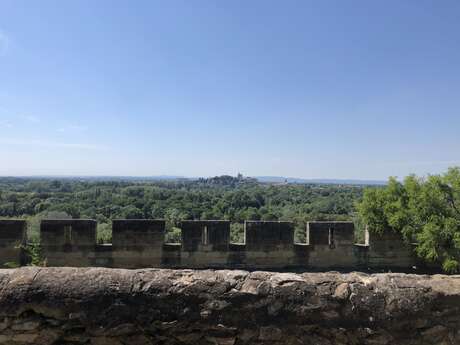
<point x="12" y="232"/>
<point x="388" y="249"/>
<point x="137" y="234"/>
<point x="331" y="233"/>
<point x="268" y="235"/>
<point x="205" y="234"/>
<point x="12" y="238"/>
<point x="68" y="242"/>
<point x="137" y="242"/>
<point x="67" y="233"/>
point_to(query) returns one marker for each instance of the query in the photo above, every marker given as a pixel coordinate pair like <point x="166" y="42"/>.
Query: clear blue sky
<point x="314" y="89"/>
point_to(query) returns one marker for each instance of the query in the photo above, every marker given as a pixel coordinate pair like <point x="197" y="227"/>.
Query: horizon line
<point x="165" y="176"/>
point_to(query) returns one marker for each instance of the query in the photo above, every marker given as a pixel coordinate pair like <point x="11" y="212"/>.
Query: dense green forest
<point x="224" y="197"/>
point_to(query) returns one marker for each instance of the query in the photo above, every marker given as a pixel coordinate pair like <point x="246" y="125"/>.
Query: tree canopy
<point x="223" y="197"/>
<point x="424" y="210"/>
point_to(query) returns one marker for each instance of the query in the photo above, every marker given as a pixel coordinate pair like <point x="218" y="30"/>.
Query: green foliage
<point x="33" y="228"/>
<point x="237" y="233"/>
<point x="426" y="211"/>
<point x="300" y="233"/>
<point x="360" y="228"/>
<point x="174" y="235"/>
<point x="224" y="197"/>
<point x="129" y="212"/>
<point x="34" y="252"/>
<point x="104" y="233"/>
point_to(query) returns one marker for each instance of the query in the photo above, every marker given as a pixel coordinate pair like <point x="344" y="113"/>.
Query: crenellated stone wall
<point x="270" y="245"/>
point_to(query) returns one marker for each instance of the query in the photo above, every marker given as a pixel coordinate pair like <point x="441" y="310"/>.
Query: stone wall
<point x="332" y="242"/>
<point x="12" y="238"/>
<point x="206" y="244"/>
<point x="135" y="243"/>
<point x="68" y="242"/>
<point x="99" y="306"/>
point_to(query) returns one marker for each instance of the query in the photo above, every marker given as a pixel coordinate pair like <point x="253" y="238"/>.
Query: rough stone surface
<point x="230" y="307"/>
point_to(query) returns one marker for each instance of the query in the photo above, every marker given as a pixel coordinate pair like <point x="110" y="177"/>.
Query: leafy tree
<point x="426" y="211"/>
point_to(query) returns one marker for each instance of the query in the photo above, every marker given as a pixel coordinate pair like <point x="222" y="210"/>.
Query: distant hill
<point x="281" y="179"/>
<point x="224" y="179"/>
<point x="105" y="178"/>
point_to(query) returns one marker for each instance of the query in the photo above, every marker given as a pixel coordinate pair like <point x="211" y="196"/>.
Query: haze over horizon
<point x="263" y="179"/>
<point x="315" y="90"/>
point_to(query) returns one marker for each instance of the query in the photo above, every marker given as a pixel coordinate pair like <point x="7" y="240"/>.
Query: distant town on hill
<point x="261" y="179"/>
